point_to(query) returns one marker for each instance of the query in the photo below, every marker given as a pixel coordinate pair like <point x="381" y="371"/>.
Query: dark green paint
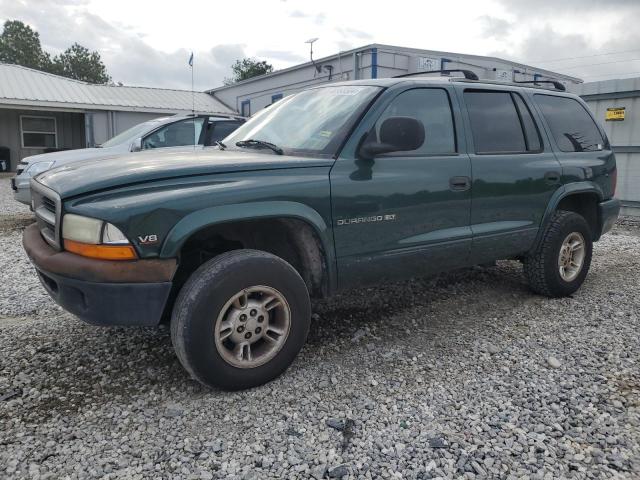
<point x="426" y="225"/>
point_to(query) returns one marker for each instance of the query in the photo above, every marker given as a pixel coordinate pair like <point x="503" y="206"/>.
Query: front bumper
<point x="608" y="212"/>
<point x="98" y="291"/>
<point x="21" y="189"/>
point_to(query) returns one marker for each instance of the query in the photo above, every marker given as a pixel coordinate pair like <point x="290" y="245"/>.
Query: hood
<point x="84" y="177"/>
<point x="67" y="156"/>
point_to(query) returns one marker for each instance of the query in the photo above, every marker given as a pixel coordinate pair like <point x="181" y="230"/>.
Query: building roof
<point x="26" y="87"/>
<point x="546" y="73"/>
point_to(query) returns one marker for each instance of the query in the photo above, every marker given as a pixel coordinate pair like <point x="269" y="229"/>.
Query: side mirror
<point x="397" y="134"/>
<point x="136" y="145"/>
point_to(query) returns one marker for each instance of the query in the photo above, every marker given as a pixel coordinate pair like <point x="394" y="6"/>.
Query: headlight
<point x="94" y="238"/>
<point x="39" y="167"/>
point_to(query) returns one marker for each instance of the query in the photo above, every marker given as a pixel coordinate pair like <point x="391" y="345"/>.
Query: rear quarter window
<point x="571" y="125"/>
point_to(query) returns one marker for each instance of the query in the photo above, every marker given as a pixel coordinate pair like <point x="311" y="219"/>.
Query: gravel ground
<point x="467" y="375"/>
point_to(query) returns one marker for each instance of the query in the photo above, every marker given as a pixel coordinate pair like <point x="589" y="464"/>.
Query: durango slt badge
<point x="371" y="219"/>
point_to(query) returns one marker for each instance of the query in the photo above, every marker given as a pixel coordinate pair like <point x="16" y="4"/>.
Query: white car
<point x="174" y="131"/>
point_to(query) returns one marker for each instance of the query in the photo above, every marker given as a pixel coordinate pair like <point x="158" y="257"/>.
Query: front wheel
<point x="240" y="320"/>
<point x="561" y="262"/>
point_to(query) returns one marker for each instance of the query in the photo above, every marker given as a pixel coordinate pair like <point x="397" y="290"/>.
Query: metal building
<point x="370" y="61"/>
<point x="41" y="112"/>
<point x="616" y="105"/>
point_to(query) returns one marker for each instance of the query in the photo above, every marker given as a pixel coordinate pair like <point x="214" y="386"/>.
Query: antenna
<point x="311" y="42"/>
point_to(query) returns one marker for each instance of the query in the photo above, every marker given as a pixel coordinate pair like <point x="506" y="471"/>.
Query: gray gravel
<point x="467" y="375"/>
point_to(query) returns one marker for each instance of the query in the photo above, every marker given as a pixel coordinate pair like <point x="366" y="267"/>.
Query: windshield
<point x="314" y="121"/>
<point x="131" y="134"/>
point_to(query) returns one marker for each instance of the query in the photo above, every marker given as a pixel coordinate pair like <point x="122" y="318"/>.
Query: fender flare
<point x="561" y="193"/>
<point x="217" y="215"/>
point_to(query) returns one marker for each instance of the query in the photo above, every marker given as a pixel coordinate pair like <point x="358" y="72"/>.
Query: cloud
<point x="128" y="58"/>
<point x="317" y="18"/>
<point x="494" y="27"/>
<point x="347" y="32"/>
<point x="572" y="7"/>
<point x="283" y="55"/>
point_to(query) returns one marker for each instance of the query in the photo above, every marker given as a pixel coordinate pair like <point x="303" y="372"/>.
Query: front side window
<point x="38" y="132"/>
<point x="431" y="106"/>
<point x="314" y="121"/>
<point x="571" y="125"/>
<point x="185" y="132"/>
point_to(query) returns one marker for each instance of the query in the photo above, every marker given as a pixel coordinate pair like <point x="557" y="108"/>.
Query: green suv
<point x="334" y="187"/>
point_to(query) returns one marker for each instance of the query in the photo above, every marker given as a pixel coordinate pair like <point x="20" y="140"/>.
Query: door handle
<point x="552" y="178"/>
<point x="460" y="184"/>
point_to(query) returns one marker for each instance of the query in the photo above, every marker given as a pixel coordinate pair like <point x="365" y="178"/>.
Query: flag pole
<point x="193" y="103"/>
<point x="193" y="95"/>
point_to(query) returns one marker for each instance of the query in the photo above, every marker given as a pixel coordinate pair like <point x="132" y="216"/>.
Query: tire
<point x="542" y="268"/>
<point x="204" y="307"/>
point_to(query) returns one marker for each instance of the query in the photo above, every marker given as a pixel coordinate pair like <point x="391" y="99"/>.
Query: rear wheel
<point x="561" y="262"/>
<point x="241" y="319"/>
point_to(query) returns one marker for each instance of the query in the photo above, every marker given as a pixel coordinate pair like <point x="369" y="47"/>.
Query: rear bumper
<point x="102" y="292"/>
<point x="608" y="212"/>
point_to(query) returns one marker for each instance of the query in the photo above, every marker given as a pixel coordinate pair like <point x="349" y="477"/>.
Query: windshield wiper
<point x="221" y="145"/>
<point x="251" y="143"/>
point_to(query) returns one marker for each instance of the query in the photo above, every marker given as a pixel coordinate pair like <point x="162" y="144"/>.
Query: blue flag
<point x="191" y="60"/>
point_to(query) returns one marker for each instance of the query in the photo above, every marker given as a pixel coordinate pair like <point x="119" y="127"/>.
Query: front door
<point x="404" y="213"/>
<point x="515" y="173"/>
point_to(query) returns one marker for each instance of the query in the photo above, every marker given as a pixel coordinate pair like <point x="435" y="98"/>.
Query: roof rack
<point x="468" y="74"/>
<point x="555" y="83"/>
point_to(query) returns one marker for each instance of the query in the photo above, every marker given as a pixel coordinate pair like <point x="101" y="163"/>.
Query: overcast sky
<point x="144" y="42"/>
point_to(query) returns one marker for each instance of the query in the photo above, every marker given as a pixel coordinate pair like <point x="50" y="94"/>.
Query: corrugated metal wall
<point x="69" y="126"/>
<point x="624" y="135"/>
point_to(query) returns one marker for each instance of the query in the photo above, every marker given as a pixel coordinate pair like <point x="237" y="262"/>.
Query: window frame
<point x="23" y="131"/>
<point x="247" y="104"/>
<point x="404" y="154"/>
<point x="511" y="94"/>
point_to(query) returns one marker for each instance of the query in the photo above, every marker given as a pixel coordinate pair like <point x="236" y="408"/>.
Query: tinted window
<point x="432" y="108"/>
<point x="495" y="124"/>
<point x="532" y="135"/>
<point x="185" y="132"/>
<point x="572" y="127"/>
<point x="222" y="129"/>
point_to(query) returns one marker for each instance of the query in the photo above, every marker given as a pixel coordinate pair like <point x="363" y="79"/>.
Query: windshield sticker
<point x="347" y="91"/>
<point x="325" y="133"/>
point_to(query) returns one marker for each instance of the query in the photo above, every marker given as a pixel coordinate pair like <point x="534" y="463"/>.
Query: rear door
<point x="404" y="213"/>
<point x="515" y="172"/>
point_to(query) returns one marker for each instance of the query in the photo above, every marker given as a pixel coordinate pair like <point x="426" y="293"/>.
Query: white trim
<point x="54" y="133"/>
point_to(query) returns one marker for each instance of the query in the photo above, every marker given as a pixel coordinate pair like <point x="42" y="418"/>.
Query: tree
<point x="248" y="68"/>
<point x="79" y="63"/>
<point x="20" y="45"/>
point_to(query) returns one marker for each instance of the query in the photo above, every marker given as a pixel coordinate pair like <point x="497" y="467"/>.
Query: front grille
<point x="47" y="207"/>
<point x="49" y="204"/>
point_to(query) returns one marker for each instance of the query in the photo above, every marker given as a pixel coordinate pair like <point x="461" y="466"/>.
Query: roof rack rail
<point x="468" y="74"/>
<point x="555" y="83"/>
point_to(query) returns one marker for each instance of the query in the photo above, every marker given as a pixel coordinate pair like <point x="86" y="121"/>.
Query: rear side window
<point x="431" y="106"/>
<point x="501" y="123"/>
<point x="571" y="125"/>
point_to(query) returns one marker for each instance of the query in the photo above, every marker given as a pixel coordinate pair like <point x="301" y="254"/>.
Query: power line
<point x="602" y="63"/>
<point x="610" y="74"/>
<point x="584" y="56"/>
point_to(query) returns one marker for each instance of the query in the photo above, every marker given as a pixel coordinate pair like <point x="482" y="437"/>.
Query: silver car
<point x="166" y="132"/>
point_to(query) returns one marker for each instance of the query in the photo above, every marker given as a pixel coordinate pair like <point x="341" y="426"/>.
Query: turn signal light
<point x="102" y="252"/>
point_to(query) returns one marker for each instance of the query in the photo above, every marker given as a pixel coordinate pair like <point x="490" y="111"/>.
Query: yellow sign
<point x="615" y="114"/>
